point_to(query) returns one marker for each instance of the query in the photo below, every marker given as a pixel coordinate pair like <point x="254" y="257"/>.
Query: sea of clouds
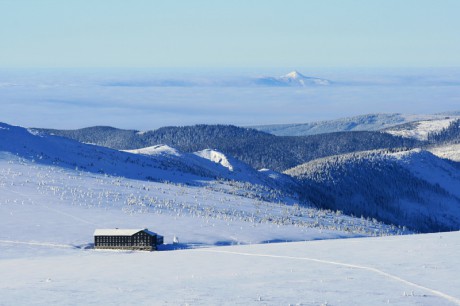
<point x="150" y="98"/>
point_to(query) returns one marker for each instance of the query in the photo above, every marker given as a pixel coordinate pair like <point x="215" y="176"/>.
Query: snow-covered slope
<point x="53" y="205"/>
<point x="216" y="157"/>
<point x="155" y="150"/>
<point x="420" y="129"/>
<point x="412" y="188"/>
<point x="218" y="165"/>
<point x="293" y="78"/>
<point x="157" y="163"/>
<point x="451" y="151"/>
<point x="234" y="169"/>
<point x="407" y="270"/>
<point x="369" y="122"/>
<point x="63" y="152"/>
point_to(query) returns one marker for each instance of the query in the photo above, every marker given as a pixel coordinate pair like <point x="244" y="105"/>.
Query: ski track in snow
<point x="365" y="268"/>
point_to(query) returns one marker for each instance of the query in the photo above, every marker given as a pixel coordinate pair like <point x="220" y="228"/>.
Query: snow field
<point x="29" y="191"/>
<point x="423" y="128"/>
<point x="404" y="270"/>
<point x="451" y="152"/>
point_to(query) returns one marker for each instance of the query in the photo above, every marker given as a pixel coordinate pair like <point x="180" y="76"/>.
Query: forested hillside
<point x="258" y="149"/>
<point x="409" y="188"/>
<point x="450" y="135"/>
<point x="103" y="136"/>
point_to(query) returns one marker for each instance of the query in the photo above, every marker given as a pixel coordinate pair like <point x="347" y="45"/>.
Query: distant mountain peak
<point x="295" y="75"/>
<point x="293" y="78"/>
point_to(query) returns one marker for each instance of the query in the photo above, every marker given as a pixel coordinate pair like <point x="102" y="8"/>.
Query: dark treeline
<point x="103" y="136"/>
<point x="258" y="149"/>
<point x="451" y="134"/>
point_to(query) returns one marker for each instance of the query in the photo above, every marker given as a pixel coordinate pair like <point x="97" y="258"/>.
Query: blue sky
<point x="222" y="34"/>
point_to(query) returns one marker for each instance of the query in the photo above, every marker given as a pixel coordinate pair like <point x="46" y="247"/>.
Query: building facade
<point x="127" y="239"/>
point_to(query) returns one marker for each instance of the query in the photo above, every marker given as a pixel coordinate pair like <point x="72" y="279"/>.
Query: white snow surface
<point x="368" y="122"/>
<point x="451" y="152"/>
<point x="155" y="150"/>
<point x="405" y="270"/>
<point x="217" y="157"/>
<point x="420" y="129"/>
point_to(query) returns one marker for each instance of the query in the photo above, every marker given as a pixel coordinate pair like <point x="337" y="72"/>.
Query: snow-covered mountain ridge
<point x="219" y="166"/>
<point x="375" y="182"/>
<point x="320" y="193"/>
<point x="257" y="149"/>
<point x="156" y="163"/>
<point x="422" y="128"/>
<point x="50" y="185"/>
<point x="397" y="124"/>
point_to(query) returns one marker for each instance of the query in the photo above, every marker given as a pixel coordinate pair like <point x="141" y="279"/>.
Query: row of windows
<point x="112" y="246"/>
<point x="120" y="240"/>
<point x="120" y="244"/>
<point x="123" y="237"/>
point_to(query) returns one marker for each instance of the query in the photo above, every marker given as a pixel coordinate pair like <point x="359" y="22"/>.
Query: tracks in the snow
<point x="365" y="268"/>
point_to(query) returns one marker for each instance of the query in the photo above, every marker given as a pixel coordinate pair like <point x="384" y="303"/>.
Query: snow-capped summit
<point x="293" y="78"/>
<point x="294" y="75"/>
<point x="296" y="78"/>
